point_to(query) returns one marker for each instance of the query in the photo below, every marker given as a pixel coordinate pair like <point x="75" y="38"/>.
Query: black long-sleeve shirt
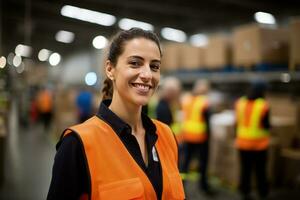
<point x="70" y="176"/>
<point x="163" y="112"/>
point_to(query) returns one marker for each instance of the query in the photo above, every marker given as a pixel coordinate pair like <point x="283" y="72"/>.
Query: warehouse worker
<point x="252" y="138"/>
<point x="168" y="106"/>
<point x="195" y="129"/>
<point x="45" y="106"/>
<point x="121" y="153"/>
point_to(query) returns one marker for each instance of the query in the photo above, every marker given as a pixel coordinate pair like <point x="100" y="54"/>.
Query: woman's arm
<point x="69" y="174"/>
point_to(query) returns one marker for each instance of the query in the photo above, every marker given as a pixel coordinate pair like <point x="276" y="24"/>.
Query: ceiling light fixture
<point x="2" y="62"/>
<point x="91" y="16"/>
<point x="100" y="42"/>
<point x="199" y="40"/>
<point x="64" y="36"/>
<point x="44" y="54"/>
<point x="127" y="24"/>
<point x="17" y="60"/>
<point x="264" y="18"/>
<point x="54" y="59"/>
<point x="91" y="78"/>
<point x="23" y="50"/>
<point x="173" y="34"/>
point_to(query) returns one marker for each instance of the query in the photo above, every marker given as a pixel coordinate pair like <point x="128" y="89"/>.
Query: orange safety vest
<point x="115" y="175"/>
<point x="44" y="101"/>
<point x="194" y="127"/>
<point x="250" y="133"/>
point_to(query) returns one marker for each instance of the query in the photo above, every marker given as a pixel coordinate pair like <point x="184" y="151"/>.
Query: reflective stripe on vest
<point x="194" y="125"/>
<point x="115" y="174"/>
<point x="250" y="134"/>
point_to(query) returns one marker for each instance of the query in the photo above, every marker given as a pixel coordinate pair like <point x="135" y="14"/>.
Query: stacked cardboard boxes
<point x="218" y="52"/>
<point x="294" y="44"/>
<point x="191" y="57"/>
<point x="255" y="44"/>
<point x="283" y="118"/>
<point x="171" y="56"/>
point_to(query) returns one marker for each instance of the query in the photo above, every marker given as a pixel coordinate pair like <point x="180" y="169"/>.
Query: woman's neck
<point x="129" y="113"/>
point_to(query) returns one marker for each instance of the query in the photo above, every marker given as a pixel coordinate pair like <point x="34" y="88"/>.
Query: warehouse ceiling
<point x="35" y="22"/>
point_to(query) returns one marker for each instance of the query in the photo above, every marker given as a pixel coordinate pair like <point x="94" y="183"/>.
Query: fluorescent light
<point x="21" y="68"/>
<point x="127" y="24"/>
<point x="173" y="34"/>
<point x="199" y="40"/>
<point x="54" y="59"/>
<point x="88" y="15"/>
<point x="91" y="78"/>
<point x="17" y="60"/>
<point x="100" y="42"/>
<point x="2" y="62"/>
<point x="23" y="50"/>
<point x="10" y="58"/>
<point x="264" y="18"/>
<point x="44" y="54"/>
<point x="64" y="36"/>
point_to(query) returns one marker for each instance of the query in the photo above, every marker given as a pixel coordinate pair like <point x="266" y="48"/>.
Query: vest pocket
<point x="122" y="190"/>
<point x="176" y="186"/>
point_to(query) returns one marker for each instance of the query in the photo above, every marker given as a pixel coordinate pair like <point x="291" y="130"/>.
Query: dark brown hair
<point x="117" y="48"/>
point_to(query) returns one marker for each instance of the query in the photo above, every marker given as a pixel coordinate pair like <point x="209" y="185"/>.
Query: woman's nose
<point x="146" y="72"/>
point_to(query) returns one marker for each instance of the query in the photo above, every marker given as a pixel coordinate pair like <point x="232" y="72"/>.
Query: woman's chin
<point x="142" y="101"/>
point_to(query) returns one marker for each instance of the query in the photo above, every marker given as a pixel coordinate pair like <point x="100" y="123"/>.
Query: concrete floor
<point x="28" y="161"/>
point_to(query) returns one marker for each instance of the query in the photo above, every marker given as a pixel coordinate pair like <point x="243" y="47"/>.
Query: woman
<point x="120" y="153"/>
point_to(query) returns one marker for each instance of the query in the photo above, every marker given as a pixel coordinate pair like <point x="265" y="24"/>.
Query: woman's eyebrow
<point x="155" y="60"/>
<point x="141" y="58"/>
<point x="137" y="57"/>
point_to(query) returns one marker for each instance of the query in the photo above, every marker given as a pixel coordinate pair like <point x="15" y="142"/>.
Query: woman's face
<point x="137" y="72"/>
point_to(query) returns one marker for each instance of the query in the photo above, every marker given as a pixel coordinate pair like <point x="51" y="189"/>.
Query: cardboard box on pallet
<point x="223" y="157"/>
<point x="283" y="115"/>
<point x="255" y="44"/>
<point x="191" y="57"/>
<point x="218" y="52"/>
<point x="171" y="56"/>
<point x="294" y="43"/>
<point x="290" y="171"/>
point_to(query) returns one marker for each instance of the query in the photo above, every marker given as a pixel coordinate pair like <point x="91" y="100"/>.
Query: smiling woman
<point x="121" y="153"/>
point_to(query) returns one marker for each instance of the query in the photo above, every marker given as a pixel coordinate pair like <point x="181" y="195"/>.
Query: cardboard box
<point x="218" y="52"/>
<point x="256" y="44"/>
<point x="65" y="112"/>
<point x="290" y="167"/>
<point x="223" y="156"/>
<point x="223" y="161"/>
<point x="191" y="57"/>
<point x="171" y="56"/>
<point x="284" y="108"/>
<point x="294" y="43"/>
<point x="283" y="118"/>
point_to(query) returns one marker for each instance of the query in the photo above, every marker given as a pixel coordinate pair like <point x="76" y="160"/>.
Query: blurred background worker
<point x="168" y="106"/>
<point x="195" y="129"/>
<point x="84" y="102"/>
<point x="45" y="106"/>
<point x="252" y="113"/>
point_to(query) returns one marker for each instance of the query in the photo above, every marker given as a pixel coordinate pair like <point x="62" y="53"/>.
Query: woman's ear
<point x="109" y="70"/>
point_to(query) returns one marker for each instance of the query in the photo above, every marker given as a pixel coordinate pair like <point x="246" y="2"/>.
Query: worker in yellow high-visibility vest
<point x="252" y="139"/>
<point x="195" y="130"/>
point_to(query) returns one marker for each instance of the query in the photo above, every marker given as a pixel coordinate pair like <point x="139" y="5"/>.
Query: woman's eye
<point x="155" y="67"/>
<point x="134" y="63"/>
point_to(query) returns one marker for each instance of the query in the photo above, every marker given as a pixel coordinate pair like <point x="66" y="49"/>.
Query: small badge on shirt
<point x="154" y="154"/>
